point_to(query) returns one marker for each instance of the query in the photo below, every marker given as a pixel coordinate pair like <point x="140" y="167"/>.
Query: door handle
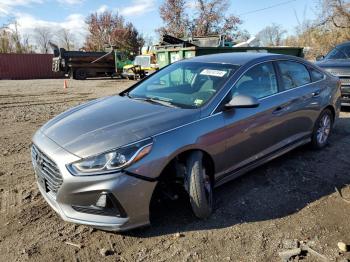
<point x="284" y="106"/>
<point x="316" y="93"/>
<point x="278" y="109"/>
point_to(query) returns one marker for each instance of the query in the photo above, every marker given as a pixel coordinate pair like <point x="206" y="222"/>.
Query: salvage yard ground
<point x="292" y="197"/>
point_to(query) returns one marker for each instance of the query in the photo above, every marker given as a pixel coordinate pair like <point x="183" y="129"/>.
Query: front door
<point x="252" y="133"/>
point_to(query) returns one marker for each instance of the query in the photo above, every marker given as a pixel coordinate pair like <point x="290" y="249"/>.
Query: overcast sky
<point x="256" y="14"/>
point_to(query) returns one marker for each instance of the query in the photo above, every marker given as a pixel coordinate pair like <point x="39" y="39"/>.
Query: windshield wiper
<point x="155" y="100"/>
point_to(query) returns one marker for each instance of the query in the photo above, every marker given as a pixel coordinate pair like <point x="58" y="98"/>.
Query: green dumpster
<point x="170" y="54"/>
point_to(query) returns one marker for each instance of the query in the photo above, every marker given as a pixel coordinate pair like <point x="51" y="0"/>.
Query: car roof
<point x="235" y="58"/>
<point x="342" y="44"/>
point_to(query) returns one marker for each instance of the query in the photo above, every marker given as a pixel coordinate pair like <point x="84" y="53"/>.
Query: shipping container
<point x="169" y="53"/>
<point x="27" y="66"/>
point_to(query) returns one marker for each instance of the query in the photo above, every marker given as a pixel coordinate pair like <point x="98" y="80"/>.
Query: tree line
<point x="104" y="30"/>
<point x="12" y="41"/>
<point x="187" y="18"/>
<point x="331" y="27"/>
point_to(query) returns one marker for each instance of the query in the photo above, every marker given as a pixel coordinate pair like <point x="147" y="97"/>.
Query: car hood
<point x="111" y="122"/>
<point x="330" y="63"/>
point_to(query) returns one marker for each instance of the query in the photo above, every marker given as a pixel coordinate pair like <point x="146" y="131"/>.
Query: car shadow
<point x="275" y="190"/>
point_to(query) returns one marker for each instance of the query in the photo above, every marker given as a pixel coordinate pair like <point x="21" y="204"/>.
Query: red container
<point x="26" y="66"/>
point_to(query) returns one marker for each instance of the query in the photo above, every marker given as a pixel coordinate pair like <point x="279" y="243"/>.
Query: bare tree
<point x="16" y="39"/>
<point x="240" y="36"/>
<point x="11" y="41"/>
<point x="330" y="28"/>
<point x="271" y="35"/>
<point x="337" y="12"/>
<point x="212" y="19"/>
<point x="149" y="40"/>
<point x="26" y="44"/>
<point x="5" y="41"/>
<point x="209" y="17"/>
<point x="65" y="39"/>
<point x="42" y="36"/>
<point x="174" y="17"/>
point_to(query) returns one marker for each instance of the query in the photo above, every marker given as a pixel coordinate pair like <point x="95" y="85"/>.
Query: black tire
<point x="142" y="74"/>
<point x="80" y="74"/>
<point x="199" y="186"/>
<point x="323" y="125"/>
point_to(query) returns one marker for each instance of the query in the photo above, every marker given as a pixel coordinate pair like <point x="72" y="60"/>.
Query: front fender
<point x="206" y="134"/>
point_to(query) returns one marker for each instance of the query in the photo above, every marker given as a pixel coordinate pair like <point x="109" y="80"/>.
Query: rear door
<point x="301" y="100"/>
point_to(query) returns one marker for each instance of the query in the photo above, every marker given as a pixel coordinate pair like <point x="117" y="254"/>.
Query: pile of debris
<point x="295" y="250"/>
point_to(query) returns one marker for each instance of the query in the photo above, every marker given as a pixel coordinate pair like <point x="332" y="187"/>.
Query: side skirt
<point x="244" y="169"/>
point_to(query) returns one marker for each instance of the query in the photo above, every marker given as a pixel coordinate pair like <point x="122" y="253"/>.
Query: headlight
<point x="111" y="161"/>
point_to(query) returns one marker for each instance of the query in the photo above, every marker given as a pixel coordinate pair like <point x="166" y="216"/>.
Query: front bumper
<point x="132" y="194"/>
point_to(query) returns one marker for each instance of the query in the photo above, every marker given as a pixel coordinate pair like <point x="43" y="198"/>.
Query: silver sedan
<point x="191" y="126"/>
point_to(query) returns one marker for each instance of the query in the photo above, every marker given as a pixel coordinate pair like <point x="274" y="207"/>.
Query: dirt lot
<point x="292" y="197"/>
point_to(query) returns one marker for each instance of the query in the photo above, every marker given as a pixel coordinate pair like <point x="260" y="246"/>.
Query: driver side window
<point x="259" y="81"/>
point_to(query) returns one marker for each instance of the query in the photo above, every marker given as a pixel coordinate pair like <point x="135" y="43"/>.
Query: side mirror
<point x="319" y="58"/>
<point x="242" y="101"/>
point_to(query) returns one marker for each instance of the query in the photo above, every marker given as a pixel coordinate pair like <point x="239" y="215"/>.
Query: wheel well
<point x="181" y="159"/>
<point x="331" y="108"/>
<point x="172" y="177"/>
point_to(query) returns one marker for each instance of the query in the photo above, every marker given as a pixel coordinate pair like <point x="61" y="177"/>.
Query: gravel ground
<point x="292" y="197"/>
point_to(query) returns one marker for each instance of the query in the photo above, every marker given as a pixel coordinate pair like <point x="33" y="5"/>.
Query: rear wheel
<point x="80" y="74"/>
<point x="199" y="186"/>
<point x="322" y="129"/>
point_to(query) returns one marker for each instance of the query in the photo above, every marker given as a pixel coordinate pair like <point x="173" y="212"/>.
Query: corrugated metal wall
<point x="26" y="66"/>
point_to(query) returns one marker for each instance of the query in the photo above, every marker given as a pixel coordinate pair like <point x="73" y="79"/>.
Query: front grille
<point x="339" y="71"/>
<point x="345" y="81"/>
<point x="47" y="171"/>
<point x="345" y="98"/>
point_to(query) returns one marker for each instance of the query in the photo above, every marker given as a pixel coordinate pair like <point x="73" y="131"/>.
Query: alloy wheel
<point x="324" y="129"/>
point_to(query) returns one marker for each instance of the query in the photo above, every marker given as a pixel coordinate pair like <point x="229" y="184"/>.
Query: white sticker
<point x="212" y="72"/>
<point x="198" y="102"/>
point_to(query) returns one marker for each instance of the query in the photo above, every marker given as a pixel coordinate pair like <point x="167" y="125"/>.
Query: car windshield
<point x="184" y="84"/>
<point x="340" y="52"/>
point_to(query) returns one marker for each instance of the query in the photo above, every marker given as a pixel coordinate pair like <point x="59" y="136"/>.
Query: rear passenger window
<point x="315" y="74"/>
<point x="293" y="74"/>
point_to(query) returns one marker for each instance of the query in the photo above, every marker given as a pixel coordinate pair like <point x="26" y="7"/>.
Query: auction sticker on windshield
<point x="212" y="72"/>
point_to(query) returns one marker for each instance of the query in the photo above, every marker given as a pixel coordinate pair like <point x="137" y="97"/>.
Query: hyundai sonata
<point x="197" y="123"/>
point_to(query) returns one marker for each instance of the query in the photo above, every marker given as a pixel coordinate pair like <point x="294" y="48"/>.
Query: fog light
<point x="106" y="205"/>
<point x="102" y="201"/>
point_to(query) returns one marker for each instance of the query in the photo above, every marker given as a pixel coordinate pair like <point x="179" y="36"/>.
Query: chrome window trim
<point x="271" y="60"/>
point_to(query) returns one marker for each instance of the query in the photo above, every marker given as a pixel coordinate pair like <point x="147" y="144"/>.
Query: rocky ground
<point x="256" y="216"/>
